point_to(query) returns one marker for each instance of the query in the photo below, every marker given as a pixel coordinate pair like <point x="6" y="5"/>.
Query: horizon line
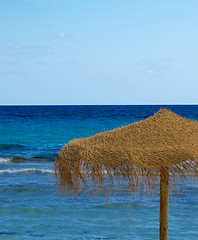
<point x="163" y="104"/>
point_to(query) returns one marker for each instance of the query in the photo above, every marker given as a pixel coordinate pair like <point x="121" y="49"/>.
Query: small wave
<point x="5" y="159"/>
<point x="8" y="233"/>
<point x="19" y="159"/>
<point x="13" y="159"/>
<point x="46" y="157"/>
<point x="10" y="146"/>
<point x="119" y="205"/>
<point x="26" y="170"/>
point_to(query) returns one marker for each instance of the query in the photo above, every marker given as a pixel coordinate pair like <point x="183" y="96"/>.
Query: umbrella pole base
<point x="164" y="204"/>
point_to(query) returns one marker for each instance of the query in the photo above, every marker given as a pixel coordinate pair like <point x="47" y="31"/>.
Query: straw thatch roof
<point x="137" y="153"/>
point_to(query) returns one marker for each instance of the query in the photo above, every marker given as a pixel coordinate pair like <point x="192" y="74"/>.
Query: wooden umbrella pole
<point x="164" y="203"/>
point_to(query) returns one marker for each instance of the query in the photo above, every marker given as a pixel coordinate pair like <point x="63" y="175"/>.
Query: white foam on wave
<point x="26" y="170"/>
<point x="5" y="159"/>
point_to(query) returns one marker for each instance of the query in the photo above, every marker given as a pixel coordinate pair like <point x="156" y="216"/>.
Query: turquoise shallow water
<point x="32" y="208"/>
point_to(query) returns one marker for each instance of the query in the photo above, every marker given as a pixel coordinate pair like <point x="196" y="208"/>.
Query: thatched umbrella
<point x="164" y="146"/>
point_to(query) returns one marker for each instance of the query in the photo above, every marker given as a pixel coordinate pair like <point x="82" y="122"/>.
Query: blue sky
<point x="98" y="52"/>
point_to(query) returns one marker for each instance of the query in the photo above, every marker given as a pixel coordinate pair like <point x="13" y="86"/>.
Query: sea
<point x="31" y="207"/>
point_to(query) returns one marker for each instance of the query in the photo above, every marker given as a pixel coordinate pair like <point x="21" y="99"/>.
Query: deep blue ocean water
<point x="32" y="208"/>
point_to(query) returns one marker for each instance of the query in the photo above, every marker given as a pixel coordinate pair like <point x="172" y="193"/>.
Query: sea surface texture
<point x="31" y="206"/>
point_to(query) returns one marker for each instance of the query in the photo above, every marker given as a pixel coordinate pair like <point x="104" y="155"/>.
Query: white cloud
<point x="7" y="62"/>
<point x="160" y="65"/>
<point x="49" y="50"/>
<point x="14" y="45"/>
<point x="61" y="34"/>
<point x="18" y="49"/>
